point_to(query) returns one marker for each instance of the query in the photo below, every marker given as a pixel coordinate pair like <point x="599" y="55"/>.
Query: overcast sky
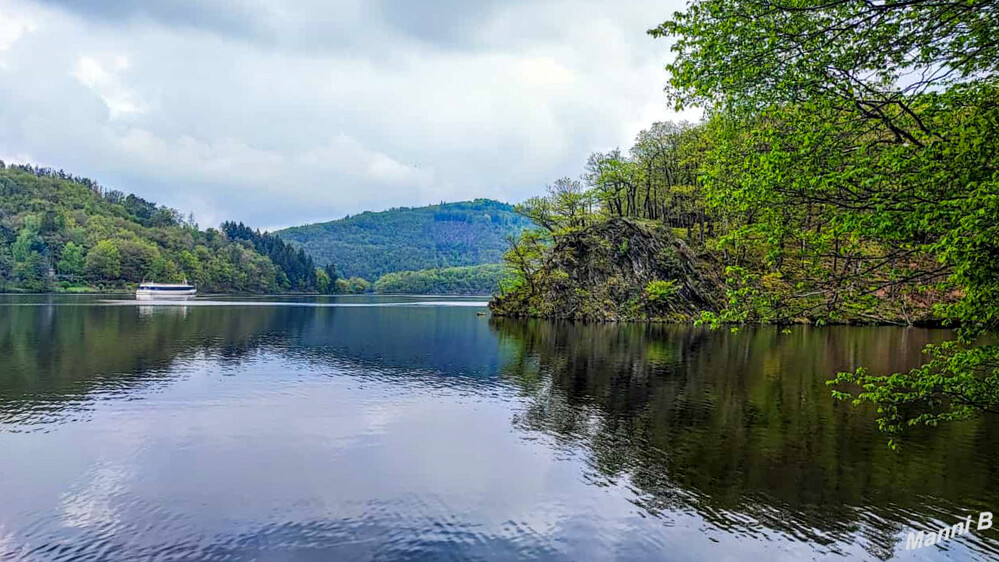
<point x="284" y="113"/>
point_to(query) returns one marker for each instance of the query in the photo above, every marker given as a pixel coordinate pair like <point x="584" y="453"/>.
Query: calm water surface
<point x="393" y="428"/>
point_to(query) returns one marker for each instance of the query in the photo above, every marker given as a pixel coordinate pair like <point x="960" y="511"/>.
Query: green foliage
<point x="32" y="272"/>
<point x="72" y="260"/>
<point x="745" y="56"/>
<point x="525" y="258"/>
<point x="136" y="259"/>
<point x="661" y="291"/>
<point x="104" y="262"/>
<point x="324" y="283"/>
<point x="352" y="286"/>
<point x="659" y="295"/>
<point x="472" y="280"/>
<point x="656" y="180"/>
<point x="958" y="382"/>
<point x="107" y="238"/>
<point x="566" y="206"/>
<point x="753" y="297"/>
<point x="372" y="244"/>
<point x="851" y="155"/>
<point x="28" y="261"/>
<point x="299" y="269"/>
<point x="6" y="267"/>
<point x="28" y="241"/>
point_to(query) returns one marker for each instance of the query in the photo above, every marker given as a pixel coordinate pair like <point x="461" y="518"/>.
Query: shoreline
<point x="132" y="292"/>
<point x="936" y="324"/>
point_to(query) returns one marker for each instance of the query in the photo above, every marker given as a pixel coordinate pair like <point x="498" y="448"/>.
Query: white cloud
<point x="345" y="155"/>
<point x="13" y="27"/>
<point x="309" y="110"/>
<point x="106" y="83"/>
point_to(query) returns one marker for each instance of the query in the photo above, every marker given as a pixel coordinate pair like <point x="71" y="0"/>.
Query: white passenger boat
<point x="164" y="291"/>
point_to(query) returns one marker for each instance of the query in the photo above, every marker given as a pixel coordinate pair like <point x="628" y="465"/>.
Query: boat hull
<point x="147" y="295"/>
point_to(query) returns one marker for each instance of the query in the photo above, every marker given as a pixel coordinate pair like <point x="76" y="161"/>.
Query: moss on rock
<point x="615" y="270"/>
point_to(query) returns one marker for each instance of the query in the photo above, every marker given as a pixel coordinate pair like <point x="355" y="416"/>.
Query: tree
<point x="298" y="268"/>
<point x="358" y="285"/>
<point x="28" y="241"/>
<point x="525" y="257"/>
<point x="323" y="281"/>
<point x="656" y="180"/>
<point x="6" y="267"/>
<point x="30" y="266"/>
<point x="191" y="265"/>
<point x="103" y="261"/>
<point x="567" y="205"/>
<point x="330" y="271"/>
<point x="164" y="270"/>
<point x="32" y="272"/>
<point x="871" y="57"/>
<point x="859" y="141"/>
<point x="138" y="259"/>
<point x="352" y="286"/>
<point x="613" y="180"/>
<point x="72" y="261"/>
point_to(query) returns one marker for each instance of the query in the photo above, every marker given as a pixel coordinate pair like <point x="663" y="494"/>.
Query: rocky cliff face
<point x="616" y="270"/>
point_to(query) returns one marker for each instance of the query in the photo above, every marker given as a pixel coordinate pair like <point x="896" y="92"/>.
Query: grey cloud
<point x="305" y="25"/>
<point x="237" y="18"/>
<point x="451" y="23"/>
<point x="200" y="110"/>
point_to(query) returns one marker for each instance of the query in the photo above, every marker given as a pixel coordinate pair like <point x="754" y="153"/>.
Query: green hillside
<point x="482" y="279"/>
<point x="372" y="244"/>
<point x="62" y="232"/>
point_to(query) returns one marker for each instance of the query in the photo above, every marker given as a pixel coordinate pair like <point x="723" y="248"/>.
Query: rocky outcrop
<point x="615" y="270"/>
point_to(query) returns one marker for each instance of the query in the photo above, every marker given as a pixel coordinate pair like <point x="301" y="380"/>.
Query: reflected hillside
<point x="54" y="353"/>
<point x="741" y="427"/>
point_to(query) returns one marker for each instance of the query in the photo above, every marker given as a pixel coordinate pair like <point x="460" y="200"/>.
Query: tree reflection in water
<point x="741" y="428"/>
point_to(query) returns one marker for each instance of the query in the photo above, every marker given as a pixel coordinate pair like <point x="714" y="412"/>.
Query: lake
<point x="386" y="428"/>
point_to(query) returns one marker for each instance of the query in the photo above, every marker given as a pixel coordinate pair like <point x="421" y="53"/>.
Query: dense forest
<point x="846" y="171"/>
<point x="301" y="271"/>
<point x="470" y="280"/>
<point x="63" y="232"/>
<point x="372" y="244"/>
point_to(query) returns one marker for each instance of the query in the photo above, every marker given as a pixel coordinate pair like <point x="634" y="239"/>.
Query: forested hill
<point x="62" y="232"/>
<point x="372" y="244"/>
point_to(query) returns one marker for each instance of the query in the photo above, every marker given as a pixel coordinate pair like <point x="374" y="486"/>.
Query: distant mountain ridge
<point x="372" y="244"/>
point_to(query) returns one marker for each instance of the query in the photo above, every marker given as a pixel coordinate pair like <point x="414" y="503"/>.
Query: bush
<point x="661" y="292"/>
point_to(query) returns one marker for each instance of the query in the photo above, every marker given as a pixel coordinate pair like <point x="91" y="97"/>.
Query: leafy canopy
<point x="865" y="134"/>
